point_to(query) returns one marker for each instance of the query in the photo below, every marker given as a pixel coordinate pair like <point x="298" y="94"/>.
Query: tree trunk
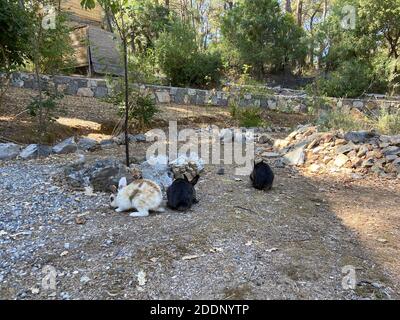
<point x="288" y="6"/>
<point x="126" y="100"/>
<point x="299" y="13"/>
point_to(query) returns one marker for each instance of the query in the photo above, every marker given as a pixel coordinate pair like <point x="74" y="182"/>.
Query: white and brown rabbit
<point x="142" y="195"/>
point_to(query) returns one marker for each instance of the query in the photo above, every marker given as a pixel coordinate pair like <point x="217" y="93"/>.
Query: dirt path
<point x="289" y="243"/>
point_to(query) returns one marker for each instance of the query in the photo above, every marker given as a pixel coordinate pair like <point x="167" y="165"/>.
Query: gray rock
<point x="34" y="151"/>
<point x="221" y="171"/>
<point x="264" y="138"/>
<point x="100" y="175"/>
<point x="139" y="138"/>
<point x="105" y="173"/>
<point x="359" y="136"/>
<point x="295" y="157"/>
<point x="392" y="150"/>
<point x="270" y="155"/>
<point x="368" y="163"/>
<point x="362" y="151"/>
<point x="345" y="148"/>
<point x="107" y="143"/>
<point x="341" y="160"/>
<point x="120" y="139"/>
<point x="302" y="108"/>
<point x="158" y="172"/>
<point x="88" y="144"/>
<point x="67" y="146"/>
<point x="9" y="151"/>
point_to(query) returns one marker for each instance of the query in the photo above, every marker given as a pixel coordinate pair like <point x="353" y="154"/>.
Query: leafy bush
<point x="43" y="108"/>
<point x="350" y="80"/>
<point x="142" y="109"/>
<point x="247" y="116"/>
<point x="142" y="106"/>
<point x="337" y="119"/>
<point x="181" y="60"/>
<point x="258" y="34"/>
<point x="388" y="123"/>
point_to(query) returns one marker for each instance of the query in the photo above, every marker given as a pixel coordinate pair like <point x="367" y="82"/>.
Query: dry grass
<point x="98" y="119"/>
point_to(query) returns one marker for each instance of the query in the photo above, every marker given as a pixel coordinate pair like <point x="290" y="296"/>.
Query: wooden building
<point x="96" y="49"/>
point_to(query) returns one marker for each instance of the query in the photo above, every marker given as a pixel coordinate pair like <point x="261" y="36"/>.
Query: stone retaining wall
<point x="89" y="87"/>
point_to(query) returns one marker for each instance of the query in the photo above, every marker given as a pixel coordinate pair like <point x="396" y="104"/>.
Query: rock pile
<point x="189" y="166"/>
<point x="360" y="152"/>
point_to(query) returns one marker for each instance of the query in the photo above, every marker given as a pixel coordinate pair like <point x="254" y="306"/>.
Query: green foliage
<point x="371" y="48"/>
<point x="388" y="123"/>
<point x="337" y="119"/>
<point x="351" y="79"/>
<point x="385" y="122"/>
<point x="56" y="51"/>
<point x="147" y="21"/>
<point x="181" y="60"/>
<point x="14" y="35"/>
<point x="260" y="35"/>
<point x="142" y="109"/>
<point x="44" y="108"/>
<point x="247" y="116"/>
<point x="142" y="106"/>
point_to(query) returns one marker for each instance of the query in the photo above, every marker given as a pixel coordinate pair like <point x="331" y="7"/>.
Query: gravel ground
<point x="236" y="243"/>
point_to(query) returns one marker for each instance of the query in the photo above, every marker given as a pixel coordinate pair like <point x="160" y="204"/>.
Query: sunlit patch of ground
<point x="371" y="208"/>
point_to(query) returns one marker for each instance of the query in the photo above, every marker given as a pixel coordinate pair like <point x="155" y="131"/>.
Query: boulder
<point x="157" y="170"/>
<point x="362" y="151"/>
<point x="120" y="139"/>
<point x="85" y="92"/>
<point x="100" y="175"/>
<point x="107" y="143"/>
<point x="9" y="151"/>
<point x="88" y="144"/>
<point x="345" y="148"/>
<point x="340" y="160"/>
<point x="359" y="136"/>
<point x="67" y="146"/>
<point x="139" y="138"/>
<point x="265" y="138"/>
<point x="296" y="157"/>
<point x="301" y="108"/>
<point x="34" y="151"/>
<point x="368" y="163"/>
<point x="392" y="150"/>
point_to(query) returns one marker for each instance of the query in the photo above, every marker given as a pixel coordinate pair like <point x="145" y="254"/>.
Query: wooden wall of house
<point x="80" y="16"/>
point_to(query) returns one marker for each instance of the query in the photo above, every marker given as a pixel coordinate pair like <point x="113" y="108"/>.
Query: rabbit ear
<point x="113" y="188"/>
<point x="122" y="183"/>
<point x="194" y="180"/>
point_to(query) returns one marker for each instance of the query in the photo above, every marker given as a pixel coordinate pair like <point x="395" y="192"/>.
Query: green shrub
<point x="388" y="123"/>
<point x="337" y="119"/>
<point x="142" y="108"/>
<point x="250" y="117"/>
<point x="181" y="60"/>
<point x="247" y="116"/>
<point x="350" y="80"/>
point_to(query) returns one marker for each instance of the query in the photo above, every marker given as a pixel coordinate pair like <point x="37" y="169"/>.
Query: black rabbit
<point x="181" y="194"/>
<point x="262" y="176"/>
